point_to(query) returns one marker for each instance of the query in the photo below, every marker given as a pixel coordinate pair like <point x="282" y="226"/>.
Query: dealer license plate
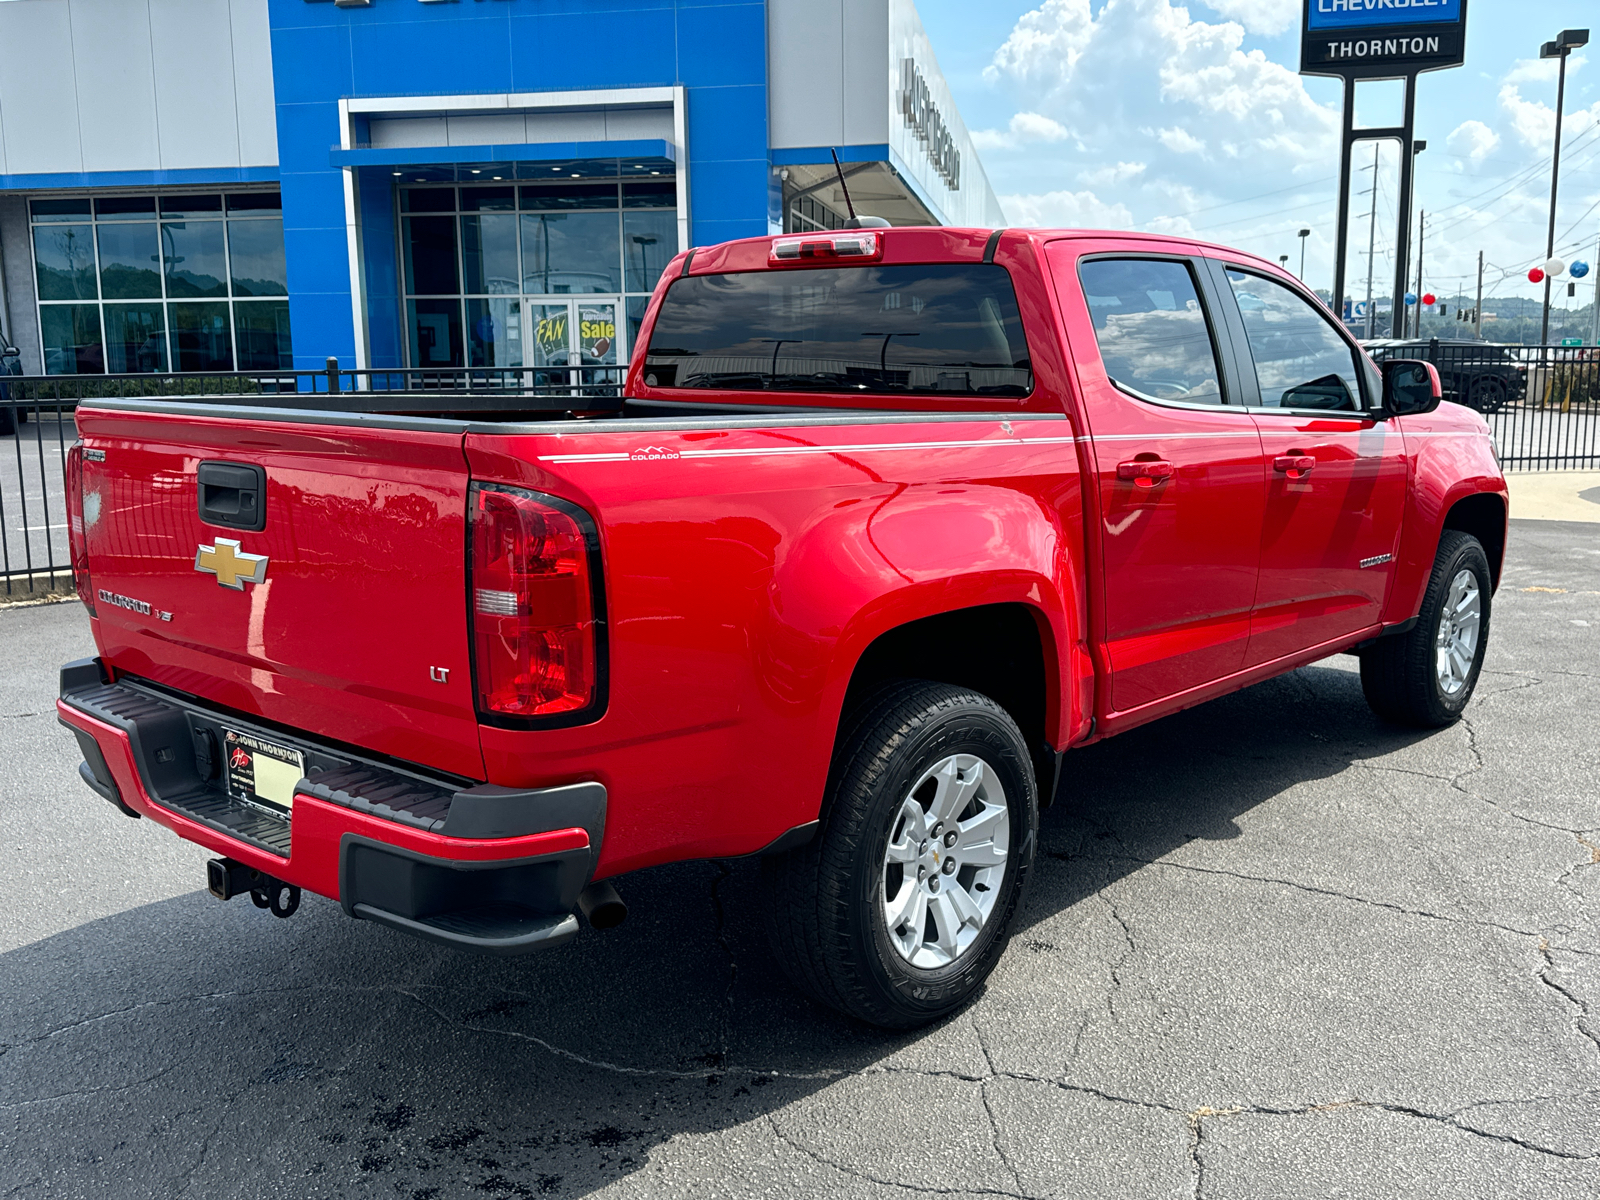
<point x="262" y="772"/>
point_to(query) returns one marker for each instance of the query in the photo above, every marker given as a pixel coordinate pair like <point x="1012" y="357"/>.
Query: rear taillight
<point x="77" y="530"/>
<point x="536" y="616"/>
<point x="858" y="244"/>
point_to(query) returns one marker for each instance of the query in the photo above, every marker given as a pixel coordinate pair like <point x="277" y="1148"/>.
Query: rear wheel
<point x="1488" y="394"/>
<point x="901" y="907"/>
<point x="1426" y="676"/>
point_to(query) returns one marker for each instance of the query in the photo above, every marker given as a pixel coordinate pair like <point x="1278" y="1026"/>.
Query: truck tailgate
<point x="355" y="626"/>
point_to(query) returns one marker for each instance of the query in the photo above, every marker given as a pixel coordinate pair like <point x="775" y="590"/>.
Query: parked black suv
<point x="1480" y="375"/>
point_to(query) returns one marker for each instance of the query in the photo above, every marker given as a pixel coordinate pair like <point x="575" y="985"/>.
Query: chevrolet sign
<point x="1381" y="39"/>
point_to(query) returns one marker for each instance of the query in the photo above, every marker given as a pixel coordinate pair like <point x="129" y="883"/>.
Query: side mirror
<point x="10" y="352"/>
<point x="1410" y="387"/>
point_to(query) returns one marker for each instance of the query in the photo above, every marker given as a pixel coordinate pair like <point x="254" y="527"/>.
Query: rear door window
<point x="947" y="329"/>
<point x="1151" y="328"/>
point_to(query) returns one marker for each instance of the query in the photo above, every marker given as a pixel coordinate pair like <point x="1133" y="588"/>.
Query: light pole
<point x="1304" y="234"/>
<point x="642" y="242"/>
<point x="1283" y="261"/>
<point x="1566" y="42"/>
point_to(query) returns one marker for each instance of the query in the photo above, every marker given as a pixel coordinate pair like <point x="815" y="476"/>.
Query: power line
<point x="1230" y="203"/>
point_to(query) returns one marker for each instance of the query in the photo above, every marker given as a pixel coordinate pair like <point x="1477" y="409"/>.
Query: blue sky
<point x="1191" y="119"/>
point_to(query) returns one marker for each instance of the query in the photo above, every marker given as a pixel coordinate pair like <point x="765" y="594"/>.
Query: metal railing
<point x="34" y="554"/>
<point x="398" y="389"/>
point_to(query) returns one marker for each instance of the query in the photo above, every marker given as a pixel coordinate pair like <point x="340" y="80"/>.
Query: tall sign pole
<point x="1353" y="41"/>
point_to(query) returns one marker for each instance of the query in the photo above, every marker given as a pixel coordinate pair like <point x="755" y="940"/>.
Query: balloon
<point x="1411" y="297"/>
<point x="1429" y="298"/>
<point x="1578" y="269"/>
<point x="1536" y="276"/>
<point x="1554" y="267"/>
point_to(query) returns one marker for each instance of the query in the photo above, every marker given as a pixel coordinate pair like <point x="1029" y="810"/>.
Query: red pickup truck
<point x="886" y="522"/>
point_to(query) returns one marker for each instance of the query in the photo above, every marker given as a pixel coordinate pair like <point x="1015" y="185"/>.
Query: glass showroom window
<point x="488" y="269"/>
<point x="161" y="283"/>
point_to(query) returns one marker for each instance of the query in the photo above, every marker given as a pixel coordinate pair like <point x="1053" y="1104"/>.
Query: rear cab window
<point x="1155" y="342"/>
<point x="936" y="329"/>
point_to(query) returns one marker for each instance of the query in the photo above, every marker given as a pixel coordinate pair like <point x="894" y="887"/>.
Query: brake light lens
<point x="77" y="529"/>
<point x="534" y="622"/>
<point x="858" y="244"/>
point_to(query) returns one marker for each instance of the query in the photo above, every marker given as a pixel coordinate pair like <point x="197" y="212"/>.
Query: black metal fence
<point x="1542" y="404"/>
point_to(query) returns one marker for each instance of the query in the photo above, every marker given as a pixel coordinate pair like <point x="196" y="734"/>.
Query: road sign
<point x="1572" y="341"/>
<point x="1381" y="39"/>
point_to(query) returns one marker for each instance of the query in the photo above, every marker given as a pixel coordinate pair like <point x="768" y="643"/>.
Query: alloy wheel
<point x="945" y="861"/>
<point x="1456" y="645"/>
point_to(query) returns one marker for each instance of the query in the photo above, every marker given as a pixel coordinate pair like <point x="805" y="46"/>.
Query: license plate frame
<point x="261" y="772"/>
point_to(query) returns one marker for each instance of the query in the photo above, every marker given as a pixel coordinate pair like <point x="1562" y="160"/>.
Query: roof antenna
<point x="854" y="222"/>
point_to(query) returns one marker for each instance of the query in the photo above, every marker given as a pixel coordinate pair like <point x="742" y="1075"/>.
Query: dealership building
<point x="208" y="185"/>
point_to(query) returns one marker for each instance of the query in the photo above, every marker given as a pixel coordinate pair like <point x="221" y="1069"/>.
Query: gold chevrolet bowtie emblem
<point x="232" y="566"/>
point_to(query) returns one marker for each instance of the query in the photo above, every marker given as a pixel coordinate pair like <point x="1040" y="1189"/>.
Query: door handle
<point x="1295" y="466"/>
<point x="1145" y="472"/>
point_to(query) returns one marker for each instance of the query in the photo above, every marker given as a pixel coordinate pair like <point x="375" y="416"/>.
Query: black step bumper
<point x="484" y="868"/>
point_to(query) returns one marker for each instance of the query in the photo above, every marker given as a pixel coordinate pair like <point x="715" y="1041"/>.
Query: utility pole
<point x="1595" y="340"/>
<point x="1477" y="305"/>
<point x="1568" y="41"/>
<point x="1372" y="231"/>
<point x="1421" y="234"/>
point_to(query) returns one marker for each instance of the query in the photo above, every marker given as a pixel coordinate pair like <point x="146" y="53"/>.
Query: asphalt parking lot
<point x="1272" y="948"/>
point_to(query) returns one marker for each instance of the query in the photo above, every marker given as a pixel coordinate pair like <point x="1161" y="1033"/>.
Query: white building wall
<point x="135" y="85"/>
<point x="834" y="79"/>
<point x="827" y="72"/>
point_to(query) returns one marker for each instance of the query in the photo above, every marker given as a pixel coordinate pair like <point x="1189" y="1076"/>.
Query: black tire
<point x="825" y="916"/>
<point x="1489" y="394"/>
<point x="1400" y="674"/>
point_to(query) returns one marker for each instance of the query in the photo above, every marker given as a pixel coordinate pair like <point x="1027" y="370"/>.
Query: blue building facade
<point x="487" y="183"/>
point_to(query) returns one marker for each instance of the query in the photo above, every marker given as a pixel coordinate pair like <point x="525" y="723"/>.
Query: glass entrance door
<point x="574" y="343"/>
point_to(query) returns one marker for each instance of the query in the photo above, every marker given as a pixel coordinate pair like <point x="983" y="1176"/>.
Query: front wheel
<point x="1425" y="677"/>
<point x="901" y="907"/>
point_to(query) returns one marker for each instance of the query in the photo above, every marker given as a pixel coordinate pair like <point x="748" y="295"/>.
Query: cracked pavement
<point x="1272" y="948"/>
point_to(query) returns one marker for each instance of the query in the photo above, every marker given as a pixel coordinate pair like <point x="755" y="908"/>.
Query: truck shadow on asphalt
<point x="187" y="1045"/>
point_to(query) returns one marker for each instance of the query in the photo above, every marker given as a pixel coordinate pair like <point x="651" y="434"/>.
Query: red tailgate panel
<point x="359" y="630"/>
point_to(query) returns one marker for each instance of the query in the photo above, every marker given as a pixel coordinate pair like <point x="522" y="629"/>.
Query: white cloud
<point x="1235" y="151"/>
<point x="1542" y="70"/>
<point x="1066" y="210"/>
<point x="1025" y="127"/>
<point x="1266" y="17"/>
<point x="1472" y="139"/>
<point x="1145" y="65"/>
<point x="1116" y="173"/>
<point x="1180" y="141"/>
<point x="1032" y="127"/>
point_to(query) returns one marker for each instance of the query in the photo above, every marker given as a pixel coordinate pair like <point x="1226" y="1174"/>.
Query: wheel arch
<point x="1483" y="515"/>
<point x="1018" y="668"/>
